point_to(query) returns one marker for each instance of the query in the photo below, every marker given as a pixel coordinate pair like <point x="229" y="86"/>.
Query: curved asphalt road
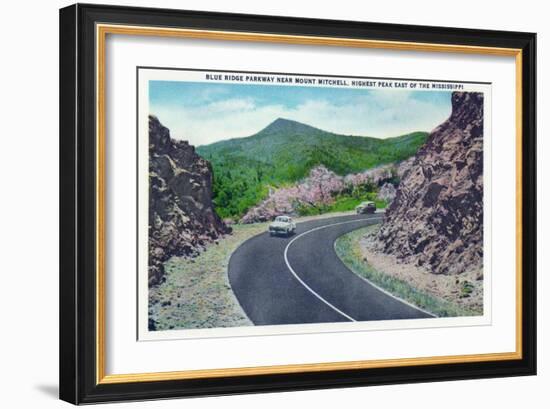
<point x="300" y="279"/>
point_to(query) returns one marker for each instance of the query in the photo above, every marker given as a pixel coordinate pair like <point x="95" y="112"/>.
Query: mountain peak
<point x="283" y="121"/>
<point x="283" y="125"/>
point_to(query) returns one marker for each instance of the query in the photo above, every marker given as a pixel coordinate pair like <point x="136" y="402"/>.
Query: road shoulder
<point x="415" y="286"/>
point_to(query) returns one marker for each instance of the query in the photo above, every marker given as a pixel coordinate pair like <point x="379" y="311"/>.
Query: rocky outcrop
<point x="181" y="215"/>
<point x="404" y="167"/>
<point x="436" y="218"/>
<point x="387" y="192"/>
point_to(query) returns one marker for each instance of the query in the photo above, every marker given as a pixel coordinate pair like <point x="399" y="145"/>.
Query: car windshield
<point x="282" y="219"/>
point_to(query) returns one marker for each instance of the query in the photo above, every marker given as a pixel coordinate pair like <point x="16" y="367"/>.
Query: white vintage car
<point x="282" y="225"/>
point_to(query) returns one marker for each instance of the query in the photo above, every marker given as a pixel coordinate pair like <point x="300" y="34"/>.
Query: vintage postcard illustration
<point x="283" y="200"/>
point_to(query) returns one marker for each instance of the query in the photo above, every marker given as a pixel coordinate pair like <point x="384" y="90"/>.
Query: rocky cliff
<point x="181" y="216"/>
<point x="436" y="218"/>
<point x="387" y="192"/>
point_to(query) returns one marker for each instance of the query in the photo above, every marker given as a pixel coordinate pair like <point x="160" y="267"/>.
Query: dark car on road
<point x="366" y="208"/>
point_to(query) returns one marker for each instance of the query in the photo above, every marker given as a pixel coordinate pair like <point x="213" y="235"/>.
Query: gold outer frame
<point x="102" y="30"/>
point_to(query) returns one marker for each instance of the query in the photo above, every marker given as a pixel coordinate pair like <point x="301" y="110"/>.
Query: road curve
<point x="301" y="280"/>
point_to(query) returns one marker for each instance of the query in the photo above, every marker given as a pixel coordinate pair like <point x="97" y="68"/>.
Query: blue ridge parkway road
<point x="300" y="279"/>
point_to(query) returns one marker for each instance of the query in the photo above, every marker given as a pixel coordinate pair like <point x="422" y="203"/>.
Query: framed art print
<point x="336" y="203"/>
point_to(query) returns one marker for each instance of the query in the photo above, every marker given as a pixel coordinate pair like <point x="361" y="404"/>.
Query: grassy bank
<point x="349" y="249"/>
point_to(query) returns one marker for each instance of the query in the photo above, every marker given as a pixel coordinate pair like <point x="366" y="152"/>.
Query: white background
<point x="30" y="204"/>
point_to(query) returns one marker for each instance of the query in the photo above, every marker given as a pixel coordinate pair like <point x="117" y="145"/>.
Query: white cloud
<point x="229" y="106"/>
<point x="380" y="114"/>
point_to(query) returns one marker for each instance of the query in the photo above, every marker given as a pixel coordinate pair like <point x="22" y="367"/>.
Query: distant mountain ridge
<point x="273" y="141"/>
<point x="278" y="126"/>
<point x="284" y="152"/>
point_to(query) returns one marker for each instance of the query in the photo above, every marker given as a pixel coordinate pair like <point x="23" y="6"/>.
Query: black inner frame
<point x="78" y="198"/>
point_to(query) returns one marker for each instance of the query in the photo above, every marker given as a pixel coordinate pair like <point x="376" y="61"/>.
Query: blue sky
<point x="203" y="113"/>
